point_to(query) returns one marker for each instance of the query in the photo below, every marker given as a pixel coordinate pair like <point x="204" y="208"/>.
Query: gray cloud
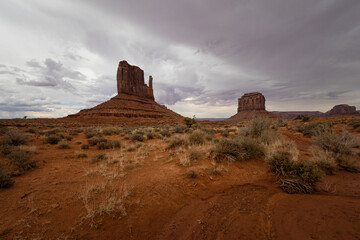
<point x="51" y="74"/>
<point x="299" y="54"/>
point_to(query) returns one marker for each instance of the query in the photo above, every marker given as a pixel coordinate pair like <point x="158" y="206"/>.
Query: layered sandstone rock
<point x="130" y="80"/>
<point x="135" y="100"/>
<point x="342" y="110"/>
<point x="250" y="105"/>
<point x="251" y="101"/>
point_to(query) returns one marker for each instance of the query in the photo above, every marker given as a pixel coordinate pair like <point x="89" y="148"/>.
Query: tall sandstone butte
<point x="130" y="80"/>
<point x="251" y="101"/>
<point x="250" y="105"/>
<point x="134" y="101"/>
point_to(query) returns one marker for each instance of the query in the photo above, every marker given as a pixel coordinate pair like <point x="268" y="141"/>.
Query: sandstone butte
<point x="342" y="110"/>
<point x="250" y="105"/>
<point x="134" y="102"/>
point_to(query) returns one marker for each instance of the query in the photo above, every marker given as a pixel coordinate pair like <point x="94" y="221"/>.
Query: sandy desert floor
<point x="147" y="190"/>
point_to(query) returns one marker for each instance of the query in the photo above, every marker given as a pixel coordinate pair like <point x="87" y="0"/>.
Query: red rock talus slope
<point x="135" y="100"/>
<point x="250" y="105"/>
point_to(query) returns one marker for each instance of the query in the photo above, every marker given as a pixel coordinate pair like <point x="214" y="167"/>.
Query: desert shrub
<point x="91" y="132"/>
<point x="98" y="157"/>
<point x="175" y="142"/>
<point x="311" y="128"/>
<point x="296" y="127"/>
<point x="21" y="159"/>
<point x="111" y="144"/>
<point x="224" y="133"/>
<point x="165" y="133"/>
<point x="194" y="154"/>
<point x="85" y="146"/>
<point x="137" y="137"/>
<point x="302" y="118"/>
<point x="281" y="123"/>
<point x="294" y="176"/>
<point x="68" y="138"/>
<point x="150" y="135"/>
<point x="355" y="123"/>
<point x="5" y="179"/>
<point x="191" y="174"/>
<point x="52" y="139"/>
<point x="82" y="155"/>
<point x="63" y="145"/>
<point x="6" y="149"/>
<point x="348" y="163"/>
<point x="325" y="160"/>
<point x="237" y="149"/>
<point x="14" y="137"/>
<point x="329" y="140"/>
<point x="179" y="128"/>
<point x="52" y="131"/>
<point x="131" y="149"/>
<point x="189" y="121"/>
<point x="197" y="137"/>
<point x="96" y="141"/>
<point x="256" y="127"/>
<point x="110" y="131"/>
<point x="30" y="130"/>
<point x="269" y="136"/>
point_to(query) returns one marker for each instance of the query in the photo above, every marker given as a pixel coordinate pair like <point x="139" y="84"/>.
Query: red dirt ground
<point x="244" y="202"/>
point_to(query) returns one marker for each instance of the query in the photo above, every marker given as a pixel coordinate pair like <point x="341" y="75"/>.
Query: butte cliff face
<point x="134" y="101"/>
<point x="130" y="80"/>
<point x="250" y="105"/>
<point x="342" y="110"/>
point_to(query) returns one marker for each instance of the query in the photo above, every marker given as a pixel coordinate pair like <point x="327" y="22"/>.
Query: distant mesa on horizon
<point x="250" y="105"/>
<point x="135" y="100"/>
<point x="337" y="110"/>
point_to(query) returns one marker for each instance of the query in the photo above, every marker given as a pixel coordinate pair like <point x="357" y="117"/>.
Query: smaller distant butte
<point x="250" y="105"/>
<point x="134" y="101"/>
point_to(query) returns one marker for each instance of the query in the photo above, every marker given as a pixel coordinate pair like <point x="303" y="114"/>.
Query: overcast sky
<point x="60" y="56"/>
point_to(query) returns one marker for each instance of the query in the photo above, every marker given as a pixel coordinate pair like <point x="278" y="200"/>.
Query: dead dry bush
<point x="294" y="176"/>
<point x="339" y="146"/>
<point x="197" y="137"/>
<point x="104" y="198"/>
<point x="21" y="160"/>
<point x="5" y="178"/>
<point x="238" y="149"/>
<point x="14" y="137"/>
<point x="256" y="127"/>
<point x="176" y="142"/>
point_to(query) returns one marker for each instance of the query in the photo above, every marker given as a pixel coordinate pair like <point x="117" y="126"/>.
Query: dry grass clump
<point x="109" y="144"/>
<point x="256" y="127"/>
<point x="63" y="145"/>
<point x="180" y="128"/>
<point x="14" y="137"/>
<point x="137" y="137"/>
<point x="102" y="198"/>
<point x="197" y="137"/>
<point x="5" y="179"/>
<point x="91" y="132"/>
<point x="330" y="140"/>
<point x="339" y="146"/>
<point x="82" y="155"/>
<point x="52" y="139"/>
<point x="98" y="157"/>
<point x="269" y="136"/>
<point x="194" y="154"/>
<point x="176" y="142"/>
<point x="95" y="141"/>
<point x="165" y="133"/>
<point x="325" y="160"/>
<point x="85" y="146"/>
<point x="21" y="159"/>
<point x="238" y="149"/>
<point x="191" y="174"/>
<point x="110" y="131"/>
<point x="294" y="176"/>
